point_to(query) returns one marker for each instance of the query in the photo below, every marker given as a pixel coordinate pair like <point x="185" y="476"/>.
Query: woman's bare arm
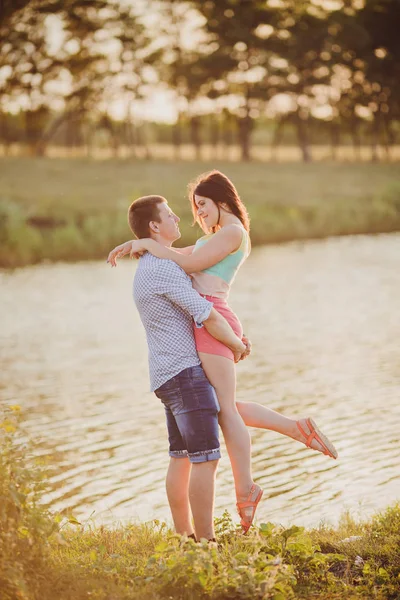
<point x="119" y="252"/>
<point x="224" y="242"/>
<point x="187" y="250"/>
<point x="125" y="248"/>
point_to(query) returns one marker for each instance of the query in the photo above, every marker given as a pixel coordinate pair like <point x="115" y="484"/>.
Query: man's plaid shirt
<point x="167" y="306"/>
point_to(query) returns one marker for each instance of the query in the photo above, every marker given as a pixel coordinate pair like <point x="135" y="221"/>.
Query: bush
<point x="19" y="243"/>
<point x="24" y="526"/>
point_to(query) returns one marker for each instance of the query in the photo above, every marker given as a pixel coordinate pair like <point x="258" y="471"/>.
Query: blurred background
<point x="298" y="102"/>
<point x="122" y="94"/>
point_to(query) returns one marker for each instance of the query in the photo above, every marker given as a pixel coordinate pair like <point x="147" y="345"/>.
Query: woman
<point x="213" y="263"/>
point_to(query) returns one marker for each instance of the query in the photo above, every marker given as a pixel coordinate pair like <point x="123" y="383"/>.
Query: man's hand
<point x="238" y="350"/>
<point x="119" y="252"/>
<point x="247" y="344"/>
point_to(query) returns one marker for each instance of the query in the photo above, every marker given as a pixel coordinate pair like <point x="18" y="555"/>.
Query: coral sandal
<point x="241" y="506"/>
<point x="328" y="448"/>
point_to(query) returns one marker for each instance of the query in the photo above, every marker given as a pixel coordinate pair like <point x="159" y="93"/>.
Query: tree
<point x="180" y="67"/>
<point x="369" y="68"/>
<point x="237" y="58"/>
<point x="104" y="53"/>
<point x="380" y="19"/>
<point x="9" y="7"/>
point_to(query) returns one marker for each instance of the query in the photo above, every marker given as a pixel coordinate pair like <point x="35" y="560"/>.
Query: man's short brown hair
<point x="141" y="212"/>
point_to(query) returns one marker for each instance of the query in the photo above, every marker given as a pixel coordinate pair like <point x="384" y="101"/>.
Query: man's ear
<point x="154" y="226"/>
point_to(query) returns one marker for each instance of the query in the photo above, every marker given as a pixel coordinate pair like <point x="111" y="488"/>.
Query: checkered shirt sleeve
<point x="174" y="284"/>
<point x="168" y="306"/>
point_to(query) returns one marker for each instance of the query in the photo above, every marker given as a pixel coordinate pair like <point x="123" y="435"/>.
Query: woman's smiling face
<point x="207" y="211"/>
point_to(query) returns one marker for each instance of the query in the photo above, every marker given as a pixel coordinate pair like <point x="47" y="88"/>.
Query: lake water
<point x="324" y="319"/>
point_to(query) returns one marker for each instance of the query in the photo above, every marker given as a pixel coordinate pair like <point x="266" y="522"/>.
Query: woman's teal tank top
<point x="216" y="280"/>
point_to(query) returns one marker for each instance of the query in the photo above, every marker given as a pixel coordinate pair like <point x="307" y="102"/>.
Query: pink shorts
<point x="205" y="342"/>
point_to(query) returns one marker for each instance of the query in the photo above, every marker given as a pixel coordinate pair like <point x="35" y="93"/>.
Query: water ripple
<point x="324" y="321"/>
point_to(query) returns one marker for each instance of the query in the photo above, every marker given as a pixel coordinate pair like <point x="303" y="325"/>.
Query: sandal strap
<point x="250" y="503"/>
<point x="246" y="504"/>
<point x="246" y="523"/>
<point x="309" y="437"/>
<point x="312" y="435"/>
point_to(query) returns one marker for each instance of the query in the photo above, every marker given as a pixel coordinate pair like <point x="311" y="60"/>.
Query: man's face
<point x="168" y="226"/>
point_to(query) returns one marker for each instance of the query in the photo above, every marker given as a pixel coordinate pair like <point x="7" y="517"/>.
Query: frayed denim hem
<point x="178" y="453"/>
<point x="205" y="455"/>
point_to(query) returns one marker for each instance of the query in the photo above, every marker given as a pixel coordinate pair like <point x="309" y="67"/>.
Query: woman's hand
<point x="119" y="252"/>
<point x="138" y="247"/>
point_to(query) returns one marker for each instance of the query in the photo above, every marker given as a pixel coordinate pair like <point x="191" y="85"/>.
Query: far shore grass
<point x="75" y="209"/>
<point x="51" y="556"/>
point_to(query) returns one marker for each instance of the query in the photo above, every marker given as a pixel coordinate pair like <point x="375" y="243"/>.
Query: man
<point x="168" y="305"/>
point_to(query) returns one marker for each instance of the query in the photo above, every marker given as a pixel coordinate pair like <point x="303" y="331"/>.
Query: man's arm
<point x="173" y="282"/>
<point x="219" y="328"/>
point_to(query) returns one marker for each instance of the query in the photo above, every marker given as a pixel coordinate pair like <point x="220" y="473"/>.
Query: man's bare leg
<point x="177" y="484"/>
<point x="201" y="496"/>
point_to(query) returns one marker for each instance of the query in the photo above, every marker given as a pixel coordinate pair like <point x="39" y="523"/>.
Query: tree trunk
<point x="5" y="133"/>
<point x="277" y="137"/>
<point x="47" y="135"/>
<point x="245" y="128"/>
<point x="302" y="136"/>
<point x="389" y="135"/>
<point x="145" y="138"/>
<point x="227" y="134"/>
<point x="215" y="135"/>
<point x="375" y="139"/>
<point x="130" y="137"/>
<point x="30" y="132"/>
<point x="177" y="137"/>
<point x="115" y="141"/>
<point x="335" y="139"/>
<point x="195" y="135"/>
<point x="355" y="138"/>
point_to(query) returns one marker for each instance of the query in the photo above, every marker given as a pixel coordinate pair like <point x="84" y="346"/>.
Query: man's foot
<point x="247" y="508"/>
<point x="313" y="438"/>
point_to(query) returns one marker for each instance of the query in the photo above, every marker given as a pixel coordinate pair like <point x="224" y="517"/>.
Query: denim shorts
<point x="191" y="409"/>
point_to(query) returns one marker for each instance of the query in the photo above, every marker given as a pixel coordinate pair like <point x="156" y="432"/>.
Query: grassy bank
<point x="49" y="556"/>
<point x="55" y="209"/>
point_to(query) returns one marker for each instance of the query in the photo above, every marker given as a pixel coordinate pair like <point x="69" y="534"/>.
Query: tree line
<point x="325" y="69"/>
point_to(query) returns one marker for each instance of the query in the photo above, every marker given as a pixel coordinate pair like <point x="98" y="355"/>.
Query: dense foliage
<point x="65" y="63"/>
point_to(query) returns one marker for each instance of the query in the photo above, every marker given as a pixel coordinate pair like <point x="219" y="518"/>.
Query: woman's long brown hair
<point x="216" y="186"/>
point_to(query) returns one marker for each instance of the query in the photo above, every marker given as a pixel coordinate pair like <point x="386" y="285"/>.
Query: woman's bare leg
<point x="257" y="415"/>
<point x="220" y="372"/>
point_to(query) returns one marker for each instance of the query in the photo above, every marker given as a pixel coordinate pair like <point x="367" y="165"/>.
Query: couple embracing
<point x="194" y="341"/>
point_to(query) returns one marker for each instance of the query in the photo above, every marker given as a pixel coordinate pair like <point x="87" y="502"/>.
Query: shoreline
<point x="46" y="555"/>
<point x="20" y="256"/>
<point x="73" y="210"/>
